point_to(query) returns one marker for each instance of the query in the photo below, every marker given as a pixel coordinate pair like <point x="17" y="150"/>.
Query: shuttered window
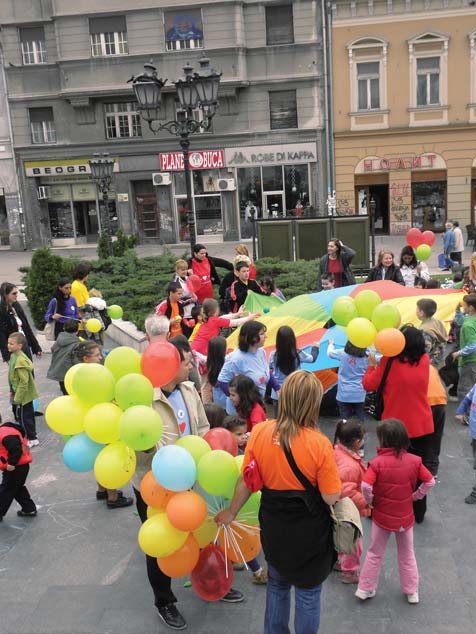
<point x="108" y="36"/>
<point x="279" y="24"/>
<point x="283" y="110"/>
<point x="33" y="49"/>
<point x="42" y="125"/>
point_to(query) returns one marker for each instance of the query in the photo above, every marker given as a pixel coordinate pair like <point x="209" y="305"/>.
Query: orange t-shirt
<point x="176" y="328"/>
<point x="312" y="452"/>
<point x="436" y="391"/>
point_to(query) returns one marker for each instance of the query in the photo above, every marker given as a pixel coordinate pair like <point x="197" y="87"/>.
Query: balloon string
<point x="236" y="545"/>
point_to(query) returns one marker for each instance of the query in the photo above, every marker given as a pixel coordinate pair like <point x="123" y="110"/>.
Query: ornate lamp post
<point x="102" y="167"/>
<point x="193" y="90"/>
<point x="373" y="208"/>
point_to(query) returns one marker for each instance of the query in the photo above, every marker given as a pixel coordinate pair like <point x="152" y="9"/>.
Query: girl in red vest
<point x="390" y="487"/>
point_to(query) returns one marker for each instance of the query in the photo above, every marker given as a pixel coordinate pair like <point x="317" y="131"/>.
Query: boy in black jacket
<point x="240" y="287"/>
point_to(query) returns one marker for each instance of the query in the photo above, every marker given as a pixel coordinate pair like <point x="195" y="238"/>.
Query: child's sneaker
<point x="365" y="594"/>
<point x="350" y="577"/>
<point x="238" y="566"/>
<point x="413" y="597"/>
<point x="260" y="577"/>
<point x="33" y="443"/>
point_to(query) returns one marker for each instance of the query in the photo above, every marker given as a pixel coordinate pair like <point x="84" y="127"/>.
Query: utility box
<point x="312" y="236"/>
<point x="275" y="239"/>
<point x="353" y="231"/>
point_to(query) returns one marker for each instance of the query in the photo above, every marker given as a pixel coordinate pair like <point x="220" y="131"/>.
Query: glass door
<point x="274" y="205"/>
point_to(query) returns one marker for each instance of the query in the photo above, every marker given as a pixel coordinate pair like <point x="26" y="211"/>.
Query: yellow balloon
<point x="66" y="414"/>
<point x="206" y="533"/>
<point x="115" y="465"/>
<point x="101" y="423"/>
<point x="151" y="511"/>
<point x="361" y="332"/>
<point x="158" y="538"/>
<point x="94" y="383"/>
<point x="93" y="325"/>
<point x="68" y="378"/>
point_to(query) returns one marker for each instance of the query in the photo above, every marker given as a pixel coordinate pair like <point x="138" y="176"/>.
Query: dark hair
<point x="178" y="343"/>
<point x="433" y="283"/>
<point x="215" y="414"/>
<point x="414" y="345"/>
<point x="233" y="422"/>
<point x="173" y="287"/>
<point x="215" y="358"/>
<point x="392" y="434"/>
<point x="427" y="306"/>
<point x="81" y="270"/>
<point x="198" y="247"/>
<point x="248" y="393"/>
<point x="195" y="312"/>
<point x="329" y="277"/>
<point x="458" y="277"/>
<point x="407" y="250"/>
<point x="354" y="351"/>
<point x="85" y="349"/>
<point x="249" y="334"/>
<point x="470" y="300"/>
<point x="58" y="295"/>
<point x="5" y="289"/>
<point x="455" y="223"/>
<point x="337" y="243"/>
<point x="420" y="281"/>
<point x="348" y="431"/>
<point x="241" y="265"/>
<point x="268" y="283"/>
<point x="71" y="326"/>
<point x="287" y="356"/>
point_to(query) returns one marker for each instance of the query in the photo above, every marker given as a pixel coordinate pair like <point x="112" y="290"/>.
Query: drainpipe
<point x="328" y="87"/>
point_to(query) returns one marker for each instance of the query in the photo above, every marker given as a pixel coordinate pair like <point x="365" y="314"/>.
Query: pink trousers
<point x="407" y="564"/>
<point x="351" y="563"/>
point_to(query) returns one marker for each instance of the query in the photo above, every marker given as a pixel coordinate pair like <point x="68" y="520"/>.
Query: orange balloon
<point x="206" y="533"/>
<point x="182" y="561"/>
<point x="186" y="511"/>
<point x="389" y="342"/>
<point x="154" y="493"/>
<point x="244" y="538"/>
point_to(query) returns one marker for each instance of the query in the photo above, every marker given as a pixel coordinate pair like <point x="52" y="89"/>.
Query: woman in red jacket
<point x="405" y="395"/>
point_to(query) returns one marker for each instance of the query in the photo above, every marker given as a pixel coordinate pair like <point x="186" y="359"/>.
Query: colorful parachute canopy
<point x="307" y="314"/>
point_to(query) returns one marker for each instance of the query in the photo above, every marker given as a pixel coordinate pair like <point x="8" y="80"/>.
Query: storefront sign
<point x="61" y="168"/>
<point x="293" y="153"/>
<point x="59" y="193"/>
<point x="200" y="160"/>
<point x="84" y="191"/>
<point x="418" y="161"/>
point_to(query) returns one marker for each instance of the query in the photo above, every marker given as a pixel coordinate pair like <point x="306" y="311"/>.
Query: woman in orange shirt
<point x="296" y="530"/>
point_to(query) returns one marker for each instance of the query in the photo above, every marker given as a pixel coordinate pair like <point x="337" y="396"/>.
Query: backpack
<point x="347" y="526"/>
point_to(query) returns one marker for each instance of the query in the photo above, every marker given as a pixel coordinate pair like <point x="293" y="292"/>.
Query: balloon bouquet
<point x="107" y="416"/>
<point x="421" y="242"/>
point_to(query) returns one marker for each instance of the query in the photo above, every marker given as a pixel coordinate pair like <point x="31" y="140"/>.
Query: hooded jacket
<point x="20" y="378"/>
<point x="351" y="470"/>
<point x="435" y="335"/>
<point x="62" y="356"/>
<point x="14" y="448"/>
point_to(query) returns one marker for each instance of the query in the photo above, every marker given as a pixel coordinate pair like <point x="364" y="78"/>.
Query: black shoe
<point x="172" y="617"/>
<point x="119" y="503"/>
<point x="233" y="596"/>
<point x="38" y="413"/>
<point x="471" y="499"/>
<point x="27" y="513"/>
<point x="102" y="495"/>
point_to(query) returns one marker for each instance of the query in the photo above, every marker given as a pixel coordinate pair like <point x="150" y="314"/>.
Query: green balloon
<point x="140" y="427"/>
<point x="249" y="511"/>
<point x="123" y="360"/>
<point x="365" y="302"/>
<point x="196" y="446"/>
<point x="115" y="311"/>
<point x="343" y="310"/>
<point x="423" y="252"/>
<point x="217" y="473"/>
<point x="134" y="389"/>
<point x="386" y="316"/>
<point x="93" y="383"/>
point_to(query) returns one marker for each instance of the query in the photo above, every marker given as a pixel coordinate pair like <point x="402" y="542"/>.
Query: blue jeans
<point x="307" y="614"/>
<point x="349" y="410"/>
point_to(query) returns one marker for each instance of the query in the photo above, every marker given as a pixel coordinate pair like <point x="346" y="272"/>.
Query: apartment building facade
<point x="67" y="66"/>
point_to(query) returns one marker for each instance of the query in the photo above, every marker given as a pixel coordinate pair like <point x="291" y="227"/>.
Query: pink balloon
<point x="414" y="237"/>
<point x="193" y="283"/>
<point x="209" y="577"/>
<point x="160" y="362"/>
<point x="428" y="237"/>
<point x="221" y="438"/>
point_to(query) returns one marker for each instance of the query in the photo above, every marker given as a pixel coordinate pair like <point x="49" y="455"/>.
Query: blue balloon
<point x="80" y="452"/>
<point x="174" y="468"/>
<point x="36" y="404"/>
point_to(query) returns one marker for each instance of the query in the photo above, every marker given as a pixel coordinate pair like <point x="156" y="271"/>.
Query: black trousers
<point x="161" y="584"/>
<point x="62" y="388"/>
<point x="421" y="446"/>
<point x="25" y="416"/>
<point x="457" y="256"/>
<point x="13" y="487"/>
<point x="439" y="417"/>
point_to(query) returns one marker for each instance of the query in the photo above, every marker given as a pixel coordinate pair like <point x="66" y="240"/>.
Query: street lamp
<point x="193" y="90"/>
<point x="373" y="207"/>
<point x="102" y="167"/>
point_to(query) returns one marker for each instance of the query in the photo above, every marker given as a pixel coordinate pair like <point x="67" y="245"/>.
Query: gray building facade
<point x="67" y="65"/>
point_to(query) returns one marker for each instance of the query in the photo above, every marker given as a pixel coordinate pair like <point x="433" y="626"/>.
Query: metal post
<point x="372" y="207"/>
<point x="107" y="221"/>
<point x="185" y="145"/>
<point x="253" y="230"/>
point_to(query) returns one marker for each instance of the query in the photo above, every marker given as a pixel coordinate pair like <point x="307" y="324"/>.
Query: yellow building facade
<point x="404" y="110"/>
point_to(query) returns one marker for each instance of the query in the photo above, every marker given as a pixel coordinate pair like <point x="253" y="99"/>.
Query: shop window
<point x="279" y="24"/>
<point x="42" y="125"/>
<point x="122" y="120"/>
<point x="283" y="110"/>
<point x="428" y="81"/>
<point x="204" y="181"/>
<point x="33" y="48"/>
<point x="183" y="29"/>
<point x="368" y="80"/>
<point x="108" y="36"/>
<point x="429" y="205"/>
<point x="296" y="184"/>
<point x="250" y="198"/>
<point x="367" y="59"/>
<point x="61" y="220"/>
<point x="272" y="178"/>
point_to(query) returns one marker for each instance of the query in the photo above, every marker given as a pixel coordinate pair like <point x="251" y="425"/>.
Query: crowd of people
<point x="272" y="406"/>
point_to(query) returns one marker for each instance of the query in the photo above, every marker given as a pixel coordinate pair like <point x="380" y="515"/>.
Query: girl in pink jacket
<point x="349" y="438"/>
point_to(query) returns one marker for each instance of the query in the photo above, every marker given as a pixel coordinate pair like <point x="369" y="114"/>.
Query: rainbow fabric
<point x="307" y="314"/>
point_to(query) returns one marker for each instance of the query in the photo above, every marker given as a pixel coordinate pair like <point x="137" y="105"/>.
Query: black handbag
<point x="374" y="400"/>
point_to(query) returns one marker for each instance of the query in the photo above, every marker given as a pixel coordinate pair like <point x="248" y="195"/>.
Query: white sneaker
<point x="413" y="597"/>
<point x="33" y="443"/>
<point x="365" y="594"/>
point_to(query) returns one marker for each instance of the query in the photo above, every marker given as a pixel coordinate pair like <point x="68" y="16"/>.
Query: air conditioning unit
<point x="162" y="178"/>
<point x="42" y="193"/>
<point x="226" y="184"/>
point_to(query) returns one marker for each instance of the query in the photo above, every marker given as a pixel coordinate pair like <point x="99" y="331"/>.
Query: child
<point x="327" y="281"/>
<point x="466" y="355"/>
<point x="352" y="367"/>
<point x="287" y="358"/>
<point x="238" y="290"/>
<point x="215" y="414"/>
<point x="434" y="331"/>
<point x="468" y="407"/>
<point x="215" y="360"/>
<point x="433" y="283"/>
<point x="189" y="298"/>
<point x="238" y="428"/>
<point x="389" y="487"/>
<point x="348" y="439"/>
<point x="96" y="308"/>
<point x="15" y="458"/>
<point x="420" y="282"/>
<point x="268" y="284"/>
<point x="197" y="319"/>
<point x="62" y="353"/>
<point x="247" y="400"/>
<point x="172" y="308"/>
<point x="22" y="387"/>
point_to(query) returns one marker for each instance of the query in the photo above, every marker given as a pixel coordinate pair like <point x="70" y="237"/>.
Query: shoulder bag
<point x="49" y="329"/>
<point x="374" y="400"/>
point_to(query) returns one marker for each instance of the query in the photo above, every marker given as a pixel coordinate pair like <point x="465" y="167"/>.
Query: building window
<point x="42" y="125"/>
<point x="122" y="120"/>
<point x="428" y="81"/>
<point x="33" y="47"/>
<point x="183" y="29"/>
<point x="108" y="36"/>
<point x="283" y="110"/>
<point x="368" y="80"/>
<point x="279" y="24"/>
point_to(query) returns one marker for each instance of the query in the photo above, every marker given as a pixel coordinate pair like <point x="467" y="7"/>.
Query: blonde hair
<point x="472" y="267"/>
<point x="209" y="308"/>
<point x="382" y="253"/>
<point x="241" y="258"/>
<point x="242" y="249"/>
<point x="182" y="264"/>
<point x="94" y="292"/>
<point x="298" y="405"/>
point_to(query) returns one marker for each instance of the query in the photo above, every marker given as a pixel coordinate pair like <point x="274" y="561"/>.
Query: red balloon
<point x="221" y="438"/>
<point x="209" y="577"/>
<point x="160" y="362"/>
<point x="193" y="283"/>
<point x="428" y="237"/>
<point x="414" y="237"/>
